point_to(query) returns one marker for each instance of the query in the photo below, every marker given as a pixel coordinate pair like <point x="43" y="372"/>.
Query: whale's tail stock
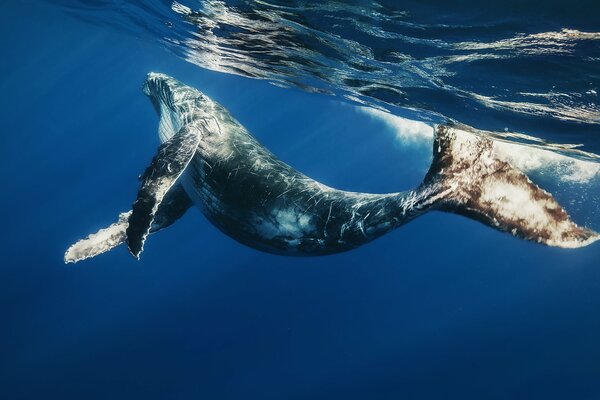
<point x="467" y="178"/>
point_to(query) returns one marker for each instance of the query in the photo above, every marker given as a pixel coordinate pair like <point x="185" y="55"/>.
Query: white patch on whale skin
<point x="288" y="223"/>
<point x="511" y="201"/>
<point x="506" y="198"/>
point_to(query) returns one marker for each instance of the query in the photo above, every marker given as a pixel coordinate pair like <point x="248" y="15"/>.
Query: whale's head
<point x="166" y="92"/>
<point x="175" y="103"/>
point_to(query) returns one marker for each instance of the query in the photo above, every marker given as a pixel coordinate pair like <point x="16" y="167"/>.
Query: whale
<point x="208" y="160"/>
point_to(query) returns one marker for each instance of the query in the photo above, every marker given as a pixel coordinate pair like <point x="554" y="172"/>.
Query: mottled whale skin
<point x="210" y="160"/>
<point x="257" y="199"/>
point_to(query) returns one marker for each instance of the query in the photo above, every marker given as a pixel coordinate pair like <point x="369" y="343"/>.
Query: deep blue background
<point x="442" y="308"/>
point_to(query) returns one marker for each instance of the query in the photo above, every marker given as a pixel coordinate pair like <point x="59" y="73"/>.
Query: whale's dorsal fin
<point x="173" y="206"/>
<point x="172" y="158"/>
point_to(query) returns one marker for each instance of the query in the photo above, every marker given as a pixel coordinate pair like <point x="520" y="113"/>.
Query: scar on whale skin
<point x="209" y="160"/>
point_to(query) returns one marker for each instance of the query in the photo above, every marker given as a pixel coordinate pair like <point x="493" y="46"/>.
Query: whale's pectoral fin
<point x="167" y="166"/>
<point x="100" y="242"/>
<point x="467" y="178"/>
<point x="173" y="206"/>
<point x="175" y="203"/>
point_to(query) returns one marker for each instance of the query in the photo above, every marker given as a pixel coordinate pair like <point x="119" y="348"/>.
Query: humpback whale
<point x="209" y="160"/>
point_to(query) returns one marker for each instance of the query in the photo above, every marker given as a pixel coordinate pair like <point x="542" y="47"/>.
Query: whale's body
<point x="255" y="198"/>
<point x="208" y="159"/>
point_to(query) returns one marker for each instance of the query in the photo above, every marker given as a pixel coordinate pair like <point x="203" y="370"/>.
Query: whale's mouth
<point x="155" y="83"/>
<point x="159" y="88"/>
<point x="168" y="92"/>
<point x="175" y="103"/>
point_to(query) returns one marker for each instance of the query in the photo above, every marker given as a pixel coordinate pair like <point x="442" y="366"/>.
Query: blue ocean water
<point x="442" y="308"/>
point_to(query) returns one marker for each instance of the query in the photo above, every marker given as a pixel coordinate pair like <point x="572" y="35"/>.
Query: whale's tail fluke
<point x="468" y="179"/>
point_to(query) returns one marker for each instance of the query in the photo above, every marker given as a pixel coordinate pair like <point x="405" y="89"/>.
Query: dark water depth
<point x="444" y="308"/>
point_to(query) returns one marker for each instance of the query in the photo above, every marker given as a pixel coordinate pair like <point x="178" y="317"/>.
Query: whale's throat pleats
<point x="169" y="123"/>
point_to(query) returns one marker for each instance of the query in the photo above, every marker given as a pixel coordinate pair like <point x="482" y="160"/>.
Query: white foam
<point x="532" y="159"/>
<point x="407" y="131"/>
<point x="524" y="157"/>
